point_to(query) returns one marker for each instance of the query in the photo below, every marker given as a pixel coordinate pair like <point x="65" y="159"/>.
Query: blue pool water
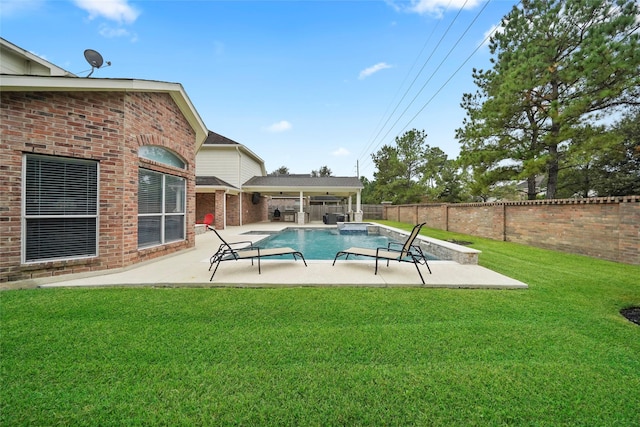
<point x="322" y="244"/>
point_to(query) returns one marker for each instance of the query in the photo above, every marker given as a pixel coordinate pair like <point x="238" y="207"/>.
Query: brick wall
<point x="607" y="228"/>
<point x="205" y="204"/>
<point x="107" y="127"/>
<point x="252" y="213"/>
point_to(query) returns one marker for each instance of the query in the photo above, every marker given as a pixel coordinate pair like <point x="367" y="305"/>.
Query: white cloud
<point x="114" y="10"/>
<point x="281" y="126"/>
<point x="340" y="152"/>
<point x="374" y="69"/>
<point x="438" y="7"/>
<point x="110" y="32"/>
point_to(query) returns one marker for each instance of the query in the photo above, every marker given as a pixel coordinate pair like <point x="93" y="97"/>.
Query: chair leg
<point x="216" y="269"/>
<point x="424" y="258"/>
<point x="415" y="262"/>
<point x="336" y="258"/>
<point x="299" y="254"/>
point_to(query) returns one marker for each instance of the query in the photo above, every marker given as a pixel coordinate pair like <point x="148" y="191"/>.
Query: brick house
<point x="222" y="168"/>
<point x="95" y="173"/>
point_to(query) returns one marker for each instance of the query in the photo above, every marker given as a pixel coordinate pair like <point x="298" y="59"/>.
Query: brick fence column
<point x="629" y="242"/>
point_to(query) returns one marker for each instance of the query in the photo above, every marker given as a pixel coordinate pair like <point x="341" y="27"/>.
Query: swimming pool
<point x="323" y="244"/>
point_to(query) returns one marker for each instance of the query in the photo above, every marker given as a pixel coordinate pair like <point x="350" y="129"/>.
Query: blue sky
<point x="303" y="84"/>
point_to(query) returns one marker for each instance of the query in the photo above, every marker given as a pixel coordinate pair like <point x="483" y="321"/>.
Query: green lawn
<point x="558" y="353"/>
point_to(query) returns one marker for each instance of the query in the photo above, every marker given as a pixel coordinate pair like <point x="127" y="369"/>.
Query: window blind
<point x="61" y="208"/>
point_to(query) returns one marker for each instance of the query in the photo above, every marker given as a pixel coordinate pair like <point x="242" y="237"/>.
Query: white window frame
<point x="164" y="214"/>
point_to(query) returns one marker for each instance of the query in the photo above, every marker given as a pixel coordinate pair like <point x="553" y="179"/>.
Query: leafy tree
<point x="323" y="171"/>
<point x="558" y="65"/>
<point x="434" y="162"/>
<point x="399" y="169"/>
<point x="441" y="177"/>
<point x="612" y="168"/>
<point x="450" y="184"/>
<point x="367" y="195"/>
<point x="282" y="170"/>
<point x="575" y="178"/>
<point x="389" y="169"/>
<point x="618" y="169"/>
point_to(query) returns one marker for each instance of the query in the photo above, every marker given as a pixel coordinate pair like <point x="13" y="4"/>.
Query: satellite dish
<point x="94" y="59"/>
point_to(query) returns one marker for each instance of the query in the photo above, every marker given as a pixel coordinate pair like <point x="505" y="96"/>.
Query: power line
<point x="430" y="77"/>
<point x="417" y="75"/>
<point x="415" y="62"/>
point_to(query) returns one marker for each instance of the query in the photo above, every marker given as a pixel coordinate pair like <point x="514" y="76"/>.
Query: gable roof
<point x="20" y="83"/>
<point x="212" y="181"/>
<point x="215" y="141"/>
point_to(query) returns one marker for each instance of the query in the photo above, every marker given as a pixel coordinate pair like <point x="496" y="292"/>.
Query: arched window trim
<point x="162" y="155"/>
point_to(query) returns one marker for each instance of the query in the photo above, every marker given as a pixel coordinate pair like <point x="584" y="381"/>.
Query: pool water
<point x="323" y="244"/>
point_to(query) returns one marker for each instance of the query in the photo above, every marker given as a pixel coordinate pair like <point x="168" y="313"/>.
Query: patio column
<point x="300" y="216"/>
<point x="359" y="213"/>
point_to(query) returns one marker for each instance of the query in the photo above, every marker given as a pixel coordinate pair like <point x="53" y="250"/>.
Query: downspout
<point x="240" y="185"/>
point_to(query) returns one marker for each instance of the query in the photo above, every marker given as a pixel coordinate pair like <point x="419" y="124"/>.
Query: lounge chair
<point x="246" y="250"/>
<point x="401" y="252"/>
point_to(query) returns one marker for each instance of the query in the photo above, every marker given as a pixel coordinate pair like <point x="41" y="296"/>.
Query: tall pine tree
<point x="558" y="65"/>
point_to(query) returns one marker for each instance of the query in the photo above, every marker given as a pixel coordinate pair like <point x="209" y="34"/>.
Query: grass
<point x="558" y="353"/>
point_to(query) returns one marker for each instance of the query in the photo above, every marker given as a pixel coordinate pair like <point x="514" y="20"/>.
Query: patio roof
<point x="210" y="184"/>
<point x="292" y="185"/>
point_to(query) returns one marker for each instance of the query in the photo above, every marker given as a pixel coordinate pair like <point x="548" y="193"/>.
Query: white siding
<point x="17" y="61"/>
<point x="17" y="65"/>
<point x="228" y="164"/>
<point x="250" y="168"/>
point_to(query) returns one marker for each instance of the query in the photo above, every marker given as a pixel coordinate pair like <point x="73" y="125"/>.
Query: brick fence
<point x="603" y="227"/>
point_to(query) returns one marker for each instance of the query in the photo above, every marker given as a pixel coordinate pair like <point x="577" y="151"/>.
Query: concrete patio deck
<point x="190" y="269"/>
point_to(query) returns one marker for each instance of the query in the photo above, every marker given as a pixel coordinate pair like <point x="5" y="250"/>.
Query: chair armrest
<point x="245" y="242"/>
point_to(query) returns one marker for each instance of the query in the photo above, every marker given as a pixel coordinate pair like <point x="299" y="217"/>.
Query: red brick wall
<point x="252" y="213"/>
<point x="213" y="203"/>
<point x="607" y="228"/>
<point x="233" y="210"/>
<point x="205" y="204"/>
<point x="107" y="127"/>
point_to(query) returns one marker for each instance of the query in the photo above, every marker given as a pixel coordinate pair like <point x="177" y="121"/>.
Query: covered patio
<point x="303" y="187"/>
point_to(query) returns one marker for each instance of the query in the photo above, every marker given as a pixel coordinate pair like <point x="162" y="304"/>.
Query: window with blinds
<point x="161" y="208"/>
<point x="60" y="208"/>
